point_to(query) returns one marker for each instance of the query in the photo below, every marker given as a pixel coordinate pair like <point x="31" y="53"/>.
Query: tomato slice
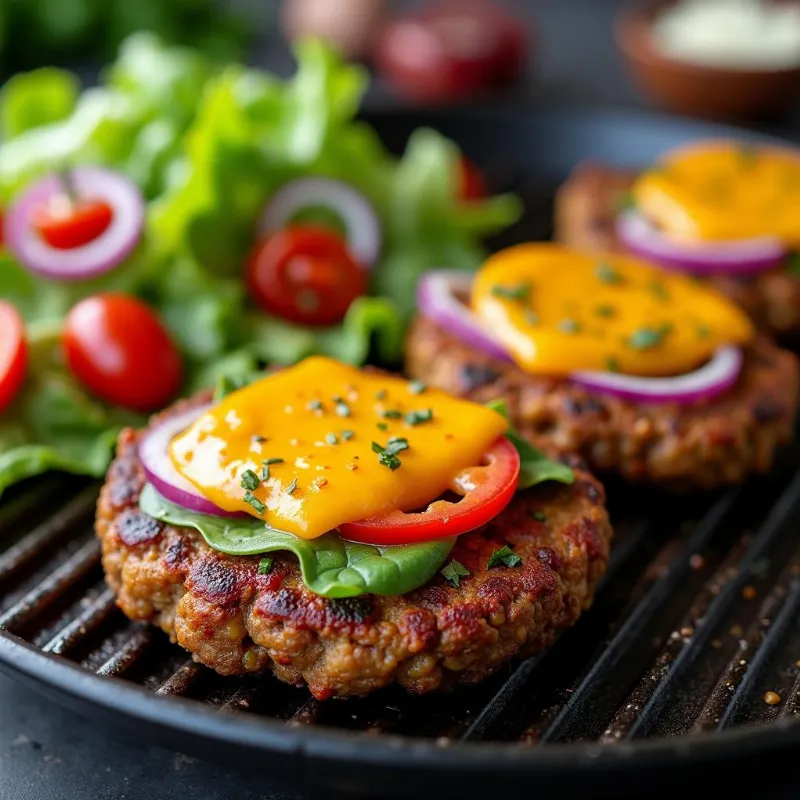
<point x="118" y="348"/>
<point x="486" y="490"/>
<point x="13" y="353"/>
<point x="306" y="275"/>
<point x="66" y="225"/>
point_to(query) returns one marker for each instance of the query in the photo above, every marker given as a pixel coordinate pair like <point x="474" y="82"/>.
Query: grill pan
<point x="664" y="680"/>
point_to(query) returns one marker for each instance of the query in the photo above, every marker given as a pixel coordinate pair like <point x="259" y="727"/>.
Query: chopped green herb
<point x="419" y="416"/>
<point x="252" y="500"/>
<point x="391" y="413"/>
<point x="265" y="565"/>
<point x="342" y="409"/>
<point x="388" y="459"/>
<point x="454" y="572"/>
<point x="396" y="445"/>
<point x="291" y="487"/>
<point x="659" y="290"/>
<point x="258" y="439"/>
<point x="504" y="557"/>
<point x="644" y="338"/>
<point x="381" y="395"/>
<point x="612" y="365"/>
<point x="331" y="438"/>
<point x="519" y="291"/>
<point x="416" y="387"/>
<point x="383" y="426"/>
<point x="265" y="473"/>
<point x="315" y="405"/>
<point x="605" y="311"/>
<point x="249" y="480"/>
<point x="703" y="331"/>
<point x="268" y="461"/>
<point x="569" y="326"/>
<point x="607" y="274"/>
<point x="540" y="516"/>
<point x="347" y="435"/>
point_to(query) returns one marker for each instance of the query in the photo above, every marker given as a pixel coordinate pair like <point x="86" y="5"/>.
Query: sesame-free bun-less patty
<point x="236" y="621"/>
<point x="586" y="208"/>
<point x="698" y="446"/>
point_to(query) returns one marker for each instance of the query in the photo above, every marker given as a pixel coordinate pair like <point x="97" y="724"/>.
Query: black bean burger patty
<point x="586" y="208"/>
<point x="236" y="621"/>
<point x="682" y="446"/>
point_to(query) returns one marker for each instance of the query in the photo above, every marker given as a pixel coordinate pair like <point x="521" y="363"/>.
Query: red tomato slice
<point x="67" y="225"/>
<point x="306" y="275"/>
<point x="13" y="353"/>
<point x="119" y="349"/>
<point x="486" y="489"/>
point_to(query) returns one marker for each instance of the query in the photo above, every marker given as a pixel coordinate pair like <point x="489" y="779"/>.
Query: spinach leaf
<point x="330" y="566"/>
<point x="535" y="466"/>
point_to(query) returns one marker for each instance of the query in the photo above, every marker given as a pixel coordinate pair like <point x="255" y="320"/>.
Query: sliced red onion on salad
<point x="439" y="298"/>
<point x="743" y="257"/>
<point x="161" y="472"/>
<point x="363" y="228"/>
<point x="99" y="256"/>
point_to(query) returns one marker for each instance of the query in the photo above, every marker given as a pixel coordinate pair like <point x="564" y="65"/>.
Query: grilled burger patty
<point x="586" y="207"/>
<point x="682" y="446"/>
<point x="236" y="621"/>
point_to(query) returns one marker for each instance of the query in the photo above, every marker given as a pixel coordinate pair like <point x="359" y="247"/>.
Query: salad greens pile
<point x="208" y="146"/>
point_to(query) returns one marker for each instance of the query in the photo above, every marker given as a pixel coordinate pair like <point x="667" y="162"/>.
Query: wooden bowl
<point x="697" y="89"/>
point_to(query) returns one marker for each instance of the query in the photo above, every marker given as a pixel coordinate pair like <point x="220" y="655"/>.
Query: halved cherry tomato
<point x="487" y="489"/>
<point x="306" y="275"/>
<point x="13" y="353"/>
<point x="471" y="184"/>
<point x="119" y="349"/>
<point x="65" y="224"/>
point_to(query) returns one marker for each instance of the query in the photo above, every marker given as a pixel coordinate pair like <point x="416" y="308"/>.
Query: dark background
<point x="48" y="752"/>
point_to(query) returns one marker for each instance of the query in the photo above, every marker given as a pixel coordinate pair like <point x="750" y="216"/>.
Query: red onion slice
<point x="440" y="298"/>
<point x="714" y="378"/>
<point x="160" y="471"/>
<point x="359" y="217"/>
<point x="747" y="256"/>
<point x="103" y="254"/>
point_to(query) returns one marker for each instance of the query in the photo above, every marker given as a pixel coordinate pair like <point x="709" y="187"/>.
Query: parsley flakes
<point x="418" y="417"/>
<point x="607" y="274"/>
<point x="519" y="291"/>
<point x="249" y="480"/>
<point x="644" y="338"/>
<point x="454" y="572"/>
<point x="504" y="557"/>
<point x="265" y="565"/>
<point x="252" y="500"/>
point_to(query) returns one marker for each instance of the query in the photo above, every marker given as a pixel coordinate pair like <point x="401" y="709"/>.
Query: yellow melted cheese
<point x="321" y="418"/>
<point x="724" y="191"/>
<point x="558" y="311"/>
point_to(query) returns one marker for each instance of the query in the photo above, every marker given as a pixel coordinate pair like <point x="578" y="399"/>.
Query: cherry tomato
<point x="13" y="353"/>
<point x="65" y="225"/>
<point x="119" y="349"/>
<point x="451" y="49"/>
<point x="306" y="275"/>
<point x="471" y="183"/>
<point x="486" y="491"/>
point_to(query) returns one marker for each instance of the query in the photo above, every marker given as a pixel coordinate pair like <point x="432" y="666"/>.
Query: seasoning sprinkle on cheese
<point x="412" y="465"/>
<point x="723" y="190"/>
<point x="623" y="312"/>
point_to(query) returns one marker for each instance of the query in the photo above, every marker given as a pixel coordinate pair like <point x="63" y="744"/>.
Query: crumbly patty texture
<point x="697" y="446"/>
<point x="585" y="211"/>
<point x="236" y="621"/>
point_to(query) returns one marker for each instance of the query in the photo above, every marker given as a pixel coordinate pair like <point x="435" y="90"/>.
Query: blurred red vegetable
<point x="452" y="48"/>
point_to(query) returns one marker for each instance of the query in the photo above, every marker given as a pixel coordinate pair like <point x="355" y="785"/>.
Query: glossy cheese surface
<point x="312" y="435"/>
<point x="558" y="311"/>
<point x="721" y="191"/>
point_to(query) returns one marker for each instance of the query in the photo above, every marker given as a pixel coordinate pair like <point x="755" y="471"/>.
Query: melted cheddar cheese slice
<point x="559" y="311"/>
<point x="724" y="191"/>
<point x="322" y="443"/>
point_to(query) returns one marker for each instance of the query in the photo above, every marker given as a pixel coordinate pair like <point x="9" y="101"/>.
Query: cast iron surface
<point x="694" y="623"/>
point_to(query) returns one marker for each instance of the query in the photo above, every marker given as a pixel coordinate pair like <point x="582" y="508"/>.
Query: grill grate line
<point x="770" y="530"/>
<point x="129" y="653"/>
<point x="633" y="627"/>
<point x="52" y="587"/>
<point x="181" y="680"/>
<point x="84" y="624"/>
<point x="45" y="535"/>
<point x="780" y="625"/>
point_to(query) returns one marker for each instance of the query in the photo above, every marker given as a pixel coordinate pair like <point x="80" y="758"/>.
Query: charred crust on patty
<point x="134" y="528"/>
<point x="236" y="621"/>
<point x="586" y="208"/>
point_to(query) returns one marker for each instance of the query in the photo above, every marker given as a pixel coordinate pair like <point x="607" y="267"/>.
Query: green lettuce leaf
<point x="535" y="466"/>
<point x="32" y="99"/>
<point x="54" y="423"/>
<point x="330" y="566"/>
